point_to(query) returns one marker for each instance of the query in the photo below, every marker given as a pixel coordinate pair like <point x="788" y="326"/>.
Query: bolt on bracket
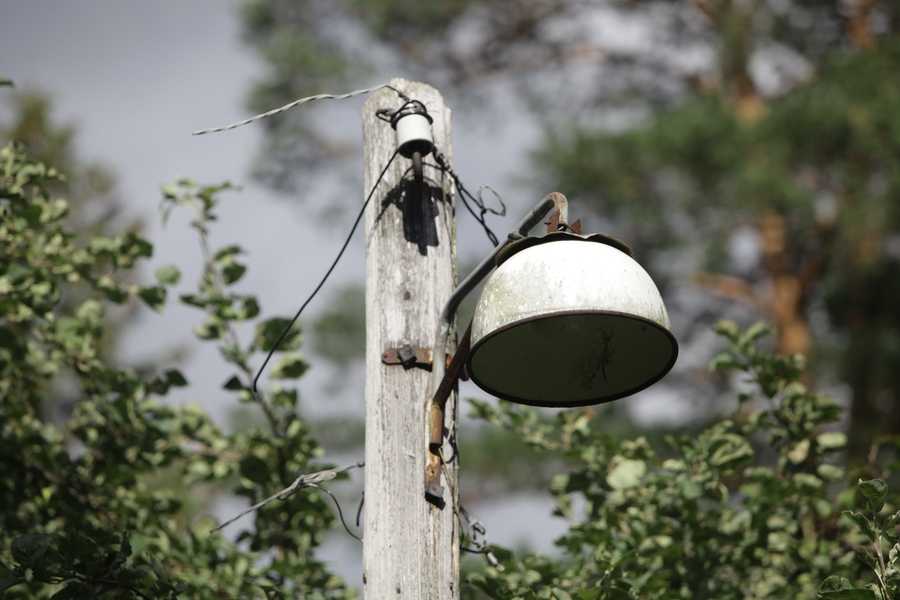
<point x="409" y="357"/>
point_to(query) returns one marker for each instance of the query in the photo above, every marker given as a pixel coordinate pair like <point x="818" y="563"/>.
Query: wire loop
<point x="474" y="530"/>
<point x="466" y="196"/>
<point x="481" y="203"/>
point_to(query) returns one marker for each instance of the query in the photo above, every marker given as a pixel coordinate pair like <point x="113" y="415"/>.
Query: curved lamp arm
<point x="441" y="380"/>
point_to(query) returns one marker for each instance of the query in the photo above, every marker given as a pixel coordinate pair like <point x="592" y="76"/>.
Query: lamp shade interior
<point x="572" y="359"/>
<point x="569" y="323"/>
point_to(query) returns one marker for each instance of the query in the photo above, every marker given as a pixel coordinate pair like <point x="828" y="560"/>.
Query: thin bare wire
<point x="303" y="481"/>
<point x="303" y="101"/>
<point x="330" y="269"/>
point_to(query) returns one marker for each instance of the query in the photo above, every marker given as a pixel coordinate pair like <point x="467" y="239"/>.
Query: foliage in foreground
<point x="91" y="508"/>
<point x="744" y="509"/>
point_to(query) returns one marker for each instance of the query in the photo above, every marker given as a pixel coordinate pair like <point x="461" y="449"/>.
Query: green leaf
<point x="728" y="329"/>
<point x="840" y="588"/>
<point x="175" y="378"/>
<point x="725" y="361"/>
<point x="155" y="297"/>
<point x="228" y="251"/>
<point x="17" y="273"/>
<point x="730" y="450"/>
<point x="268" y="332"/>
<point x="756" y="332"/>
<point x="232" y="272"/>
<point x="892" y="521"/>
<point x="248" y="309"/>
<point x="862" y="522"/>
<point x="74" y="591"/>
<point x="255" y="469"/>
<point x="291" y="366"/>
<point x="831" y="441"/>
<point x="169" y="191"/>
<point x="210" y="330"/>
<point x="807" y="480"/>
<point x="626" y="473"/>
<point x="234" y="383"/>
<point x="168" y="275"/>
<point x="799" y="452"/>
<point x="193" y="300"/>
<point x="830" y="472"/>
<point x="863" y="555"/>
<point x="286" y="399"/>
<point x="111" y="289"/>
<point x="30" y="548"/>
<point x="874" y="492"/>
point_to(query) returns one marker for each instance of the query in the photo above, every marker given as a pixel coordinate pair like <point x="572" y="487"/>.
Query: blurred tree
<point x="88" y="509"/>
<point x="339" y="332"/>
<point x="814" y="174"/>
<point x="690" y="124"/>
<point x="89" y="187"/>
<point x="745" y="508"/>
<point x="93" y="204"/>
<point x="811" y="166"/>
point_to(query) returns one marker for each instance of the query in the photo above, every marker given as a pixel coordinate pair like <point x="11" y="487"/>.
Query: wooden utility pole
<point x="411" y="547"/>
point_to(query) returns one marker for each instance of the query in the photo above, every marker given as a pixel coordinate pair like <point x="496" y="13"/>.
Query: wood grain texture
<point x="411" y="548"/>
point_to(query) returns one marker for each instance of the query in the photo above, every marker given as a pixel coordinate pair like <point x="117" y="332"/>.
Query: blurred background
<point x="748" y="151"/>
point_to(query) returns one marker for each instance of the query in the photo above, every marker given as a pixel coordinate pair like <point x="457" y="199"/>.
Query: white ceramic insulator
<point x="414" y="135"/>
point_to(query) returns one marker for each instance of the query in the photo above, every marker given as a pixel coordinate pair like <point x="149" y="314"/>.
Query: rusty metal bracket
<point x="456" y="367"/>
<point x="410" y="357"/>
<point x="434" y="491"/>
<point x="558" y="223"/>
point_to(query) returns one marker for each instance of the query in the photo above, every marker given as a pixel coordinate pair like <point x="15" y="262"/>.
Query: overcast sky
<point x="136" y="78"/>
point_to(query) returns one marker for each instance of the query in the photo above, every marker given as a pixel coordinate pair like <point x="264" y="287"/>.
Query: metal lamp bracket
<point x="410" y="357"/>
<point x="557" y="223"/>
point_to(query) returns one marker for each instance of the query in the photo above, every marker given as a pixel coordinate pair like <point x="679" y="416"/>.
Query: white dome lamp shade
<point x="569" y="320"/>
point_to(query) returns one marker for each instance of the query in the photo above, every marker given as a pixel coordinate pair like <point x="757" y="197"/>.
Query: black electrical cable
<point x="362" y="500"/>
<point x="479" y="218"/>
<point x="330" y="269"/>
<point x="338" y="505"/>
<point x="465" y="196"/>
<point x="463" y="192"/>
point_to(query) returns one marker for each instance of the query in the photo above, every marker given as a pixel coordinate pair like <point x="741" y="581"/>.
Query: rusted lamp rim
<point x="559" y="236"/>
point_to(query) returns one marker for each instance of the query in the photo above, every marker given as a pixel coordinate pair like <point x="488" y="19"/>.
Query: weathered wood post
<point x="411" y="548"/>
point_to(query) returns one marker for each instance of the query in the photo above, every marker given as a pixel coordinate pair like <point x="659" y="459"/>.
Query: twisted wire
<point x="303" y="101"/>
<point x="303" y="481"/>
